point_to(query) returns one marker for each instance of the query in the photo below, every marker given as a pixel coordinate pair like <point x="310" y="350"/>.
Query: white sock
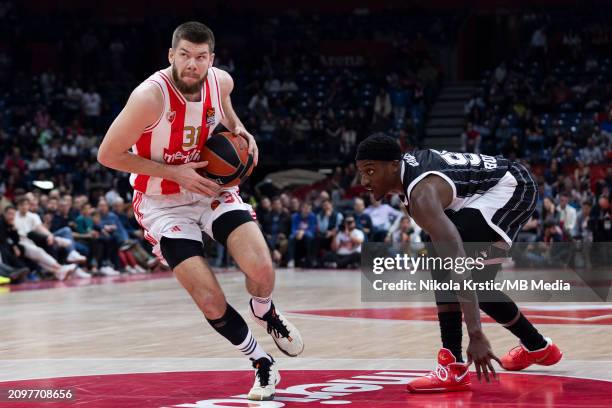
<point x="260" y="305"/>
<point x="251" y="348"/>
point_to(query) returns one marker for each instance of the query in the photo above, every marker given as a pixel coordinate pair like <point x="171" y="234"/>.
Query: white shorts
<point x="185" y="215"/>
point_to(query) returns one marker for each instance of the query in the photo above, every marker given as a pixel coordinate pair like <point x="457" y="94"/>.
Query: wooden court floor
<point x="150" y="332"/>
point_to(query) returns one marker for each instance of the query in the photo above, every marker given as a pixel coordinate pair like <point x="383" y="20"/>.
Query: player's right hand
<point x="187" y="176"/>
<point x="480" y="353"/>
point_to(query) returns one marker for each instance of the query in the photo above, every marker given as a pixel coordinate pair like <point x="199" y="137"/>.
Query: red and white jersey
<point x="180" y="132"/>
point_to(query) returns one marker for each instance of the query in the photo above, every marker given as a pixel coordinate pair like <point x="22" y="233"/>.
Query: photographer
<point x="346" y="246"/>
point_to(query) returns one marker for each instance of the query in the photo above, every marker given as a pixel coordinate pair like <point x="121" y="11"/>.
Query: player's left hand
<point x="240" y="131"/>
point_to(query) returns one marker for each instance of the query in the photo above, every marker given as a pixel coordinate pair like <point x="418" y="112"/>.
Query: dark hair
<point x="379" y="147"/>
<point x="194" y="32"/>
<point x="9" y="207"/>
<point x="21" y="200"/>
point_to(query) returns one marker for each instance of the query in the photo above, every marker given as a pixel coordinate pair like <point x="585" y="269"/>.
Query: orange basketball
<point x="229" y="162"/>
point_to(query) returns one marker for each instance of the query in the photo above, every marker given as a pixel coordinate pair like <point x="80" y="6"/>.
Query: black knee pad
<point x="176" y="250"/>
<point x="223" y="226"/>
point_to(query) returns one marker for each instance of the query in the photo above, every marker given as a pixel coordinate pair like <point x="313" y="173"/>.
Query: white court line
<point x="85" y="368"/>
<point x="371" y="320"/>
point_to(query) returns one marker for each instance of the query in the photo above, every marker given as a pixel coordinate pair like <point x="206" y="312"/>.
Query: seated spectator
<point x="303" y="231"/>
<point x="29" y="224"/>
<point x="346" y="246"/>
<point x="100" y="260"/>
<point x="276" y="225"/>
<point x="114" y="233"/>
<point x="407" y="233"/>
<point x="328" y="222"/>
<point x="12" y="260"/>
<point x="362" y="220"/>
<point x="382" y="216"/>
<point x="567" y="215"/>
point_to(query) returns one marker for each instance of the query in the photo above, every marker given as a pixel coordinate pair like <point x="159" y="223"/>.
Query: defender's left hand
<point x="240" y="131"/>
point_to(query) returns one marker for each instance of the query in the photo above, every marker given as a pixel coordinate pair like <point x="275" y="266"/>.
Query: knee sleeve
<point x="177" y="250"/>
<point x="223" y="226"/>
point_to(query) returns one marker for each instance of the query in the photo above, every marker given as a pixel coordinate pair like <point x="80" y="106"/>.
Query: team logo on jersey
<point x="210" y="117"/>
<point x="170" y="116"/>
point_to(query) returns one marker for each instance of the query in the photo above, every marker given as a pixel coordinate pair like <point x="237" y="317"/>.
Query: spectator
<point x="346" y="246"/>
<point x="407" y="233"/>
<point x="328" y="222"/>
<point x="470" y="139"/>
<point x="303" y="230"/>
<point x="567" y="215"/>
<point x="362" y="220"/>
<point x="26" y="223"/>
<point x="114" y="233"/>
<point x="12" y="260"/>
<point x="276" y="225"/>
<point x="382" y="216"/>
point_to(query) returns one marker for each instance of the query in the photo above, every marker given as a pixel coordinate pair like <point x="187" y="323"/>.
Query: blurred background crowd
<point x="310" y="86"/>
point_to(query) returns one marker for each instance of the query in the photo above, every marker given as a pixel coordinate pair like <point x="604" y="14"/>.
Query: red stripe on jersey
<point x="143" y="149"/>
<point x="219" y="95"/>
<point x="176" y="134"/>
<point x="207" y="106"/>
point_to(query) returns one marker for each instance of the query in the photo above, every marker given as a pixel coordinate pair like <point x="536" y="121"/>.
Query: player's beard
<point x="182" y="86"/>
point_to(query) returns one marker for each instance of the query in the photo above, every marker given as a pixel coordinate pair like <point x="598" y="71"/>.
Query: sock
<point x="260" y="305"/>
<point x="451" y="332"/>
<point x="529" y="335"/>
<point x="250" y="348"/>
<point x="233" y="327"/>
<point x="505" y="313"/>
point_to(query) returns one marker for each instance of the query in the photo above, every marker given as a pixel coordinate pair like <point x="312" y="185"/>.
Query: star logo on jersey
<point x="210" y="117"/>
<point x="170" y="116"/>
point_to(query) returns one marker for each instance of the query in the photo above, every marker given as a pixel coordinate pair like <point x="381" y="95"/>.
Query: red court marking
<point x="314" y="389"/>
<point x="588" y="316"/>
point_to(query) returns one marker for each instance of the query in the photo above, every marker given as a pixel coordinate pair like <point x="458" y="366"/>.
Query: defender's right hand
<point x="187" y="176"/>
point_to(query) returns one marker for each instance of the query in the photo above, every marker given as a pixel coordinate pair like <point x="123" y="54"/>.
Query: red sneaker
<point x="449" y="375"/>
<point x="520" y="358"/>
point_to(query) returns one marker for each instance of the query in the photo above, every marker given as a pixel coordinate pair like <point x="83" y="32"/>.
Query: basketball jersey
<point x="180" y="132"/>
<point x="470" y="175"/>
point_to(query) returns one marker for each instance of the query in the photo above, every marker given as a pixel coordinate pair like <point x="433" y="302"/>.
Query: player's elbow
<point x="105" y="157"/>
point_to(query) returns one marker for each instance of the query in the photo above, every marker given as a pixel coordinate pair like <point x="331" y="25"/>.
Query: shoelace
<point x="441" y="372"/>
<point x="276" y="326"/>
<point x="263" y="373"/>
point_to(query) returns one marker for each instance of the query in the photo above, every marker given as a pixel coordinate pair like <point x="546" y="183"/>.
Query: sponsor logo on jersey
<point x="181" y="156"/>
<point x="411" y="160"/>
<point x="170" y="116"/>
<point x="210" y="117"/>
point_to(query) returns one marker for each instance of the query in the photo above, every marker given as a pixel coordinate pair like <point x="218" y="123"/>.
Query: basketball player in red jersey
<point x="165" y="124"/>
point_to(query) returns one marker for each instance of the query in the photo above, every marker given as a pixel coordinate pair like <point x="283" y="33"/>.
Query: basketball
<point x="229" y="161"/>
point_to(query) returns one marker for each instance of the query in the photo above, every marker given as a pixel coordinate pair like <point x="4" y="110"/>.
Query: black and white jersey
<point x="503" y="191"/>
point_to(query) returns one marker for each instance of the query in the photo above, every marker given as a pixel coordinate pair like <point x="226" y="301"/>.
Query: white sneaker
<point x="75" y="257"/>
<point x="266" y="379"/>
<point x="108" y="271"/>
<point x="291" y="264"/>
<point x="131" y="270"/>
<point x="139" y="269"/>
<point x="286" y="336"/>
<point x="81" y="274"/>
<point x="65" y="271"/>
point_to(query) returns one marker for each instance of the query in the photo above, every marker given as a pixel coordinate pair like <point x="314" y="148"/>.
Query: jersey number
<point x="191" y="137"/>
<point x="461" y="159"/>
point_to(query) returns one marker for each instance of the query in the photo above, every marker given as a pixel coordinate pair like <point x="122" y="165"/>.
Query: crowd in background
<point x="303" y="108"/>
